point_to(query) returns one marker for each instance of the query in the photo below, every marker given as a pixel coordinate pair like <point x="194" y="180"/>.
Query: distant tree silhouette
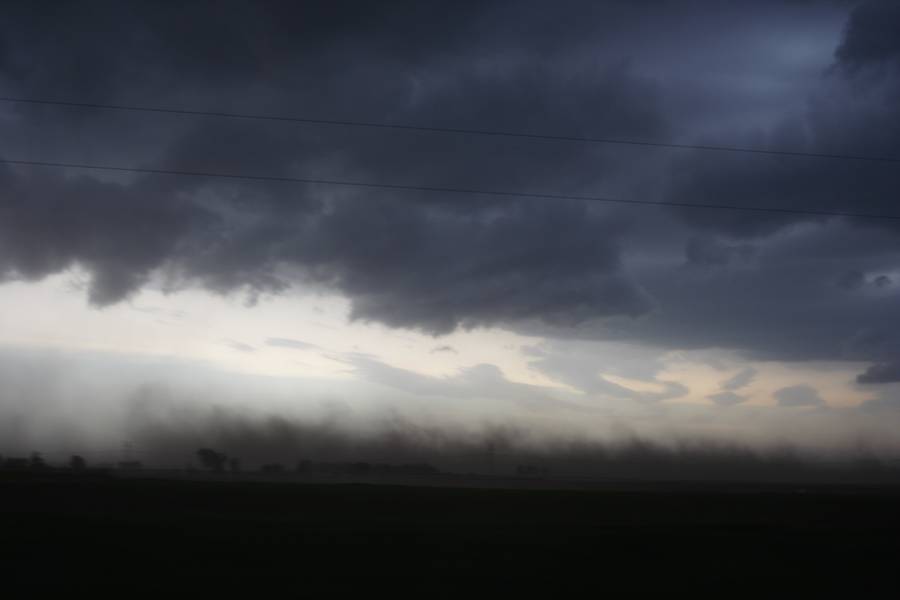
<point x="234" y="465"/>
<point x="15" y="463"/>
<point x="359" y="468"/>
<point x="530" y="471"/>
<point x="37" y="461"/>
<point x="212" y="460"/>
<point x="77" y="463"/>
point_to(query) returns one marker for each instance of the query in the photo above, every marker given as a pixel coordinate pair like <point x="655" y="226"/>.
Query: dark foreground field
<point x="124" y="536"/>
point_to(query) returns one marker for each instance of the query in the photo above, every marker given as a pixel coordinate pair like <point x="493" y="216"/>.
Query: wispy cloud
<point x="290" y="343"/>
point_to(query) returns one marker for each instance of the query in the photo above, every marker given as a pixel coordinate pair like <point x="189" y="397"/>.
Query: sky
<point x="128" y="297"/>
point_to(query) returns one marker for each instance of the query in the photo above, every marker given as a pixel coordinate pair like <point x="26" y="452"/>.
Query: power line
<point x="452" y="130"/>
<point x="436" y="189"/>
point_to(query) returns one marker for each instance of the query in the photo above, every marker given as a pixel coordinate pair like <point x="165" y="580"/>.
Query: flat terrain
<point x="96" y="531"/>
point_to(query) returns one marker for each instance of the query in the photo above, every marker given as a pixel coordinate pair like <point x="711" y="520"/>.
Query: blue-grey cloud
<point x="741" y="379"/>
<point x="444" y="348"/>
<point x="478" y="381"/>
<point x="726" y="398"/>
<point x="240" y="346"/>
<point x="798" y="395"/>
<point x="290" y="343"/>
<point x="587" y="369"/>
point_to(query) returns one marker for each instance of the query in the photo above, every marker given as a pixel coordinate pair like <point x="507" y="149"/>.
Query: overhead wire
<point x="450" y="190"/>
<point x="452" y="130"/>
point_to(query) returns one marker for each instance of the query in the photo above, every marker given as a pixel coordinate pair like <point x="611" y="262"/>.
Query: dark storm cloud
<point x="851" y="280"/>
<point x="816" y="288"/>
<point x="849" y="111"/>
<point x="783" y="306"/>
<point x="880" y="373"/>
<point x="430" y="262"/>
<point x="774" y="286"/>
<point x="119" y="233"/>
<point x="706" y="251"/>
<point x="871" y="34"/>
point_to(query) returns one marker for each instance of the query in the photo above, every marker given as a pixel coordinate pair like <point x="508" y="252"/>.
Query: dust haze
<point x="109" y="410"/>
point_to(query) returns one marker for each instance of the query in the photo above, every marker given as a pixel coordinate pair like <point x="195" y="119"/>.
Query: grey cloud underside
<point x="798" y="395"/>
<point x="434" y="262"/>
<point x="774" y="286"/>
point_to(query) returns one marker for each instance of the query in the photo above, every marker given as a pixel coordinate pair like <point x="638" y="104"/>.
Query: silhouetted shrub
<point x="212" y="460"/>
